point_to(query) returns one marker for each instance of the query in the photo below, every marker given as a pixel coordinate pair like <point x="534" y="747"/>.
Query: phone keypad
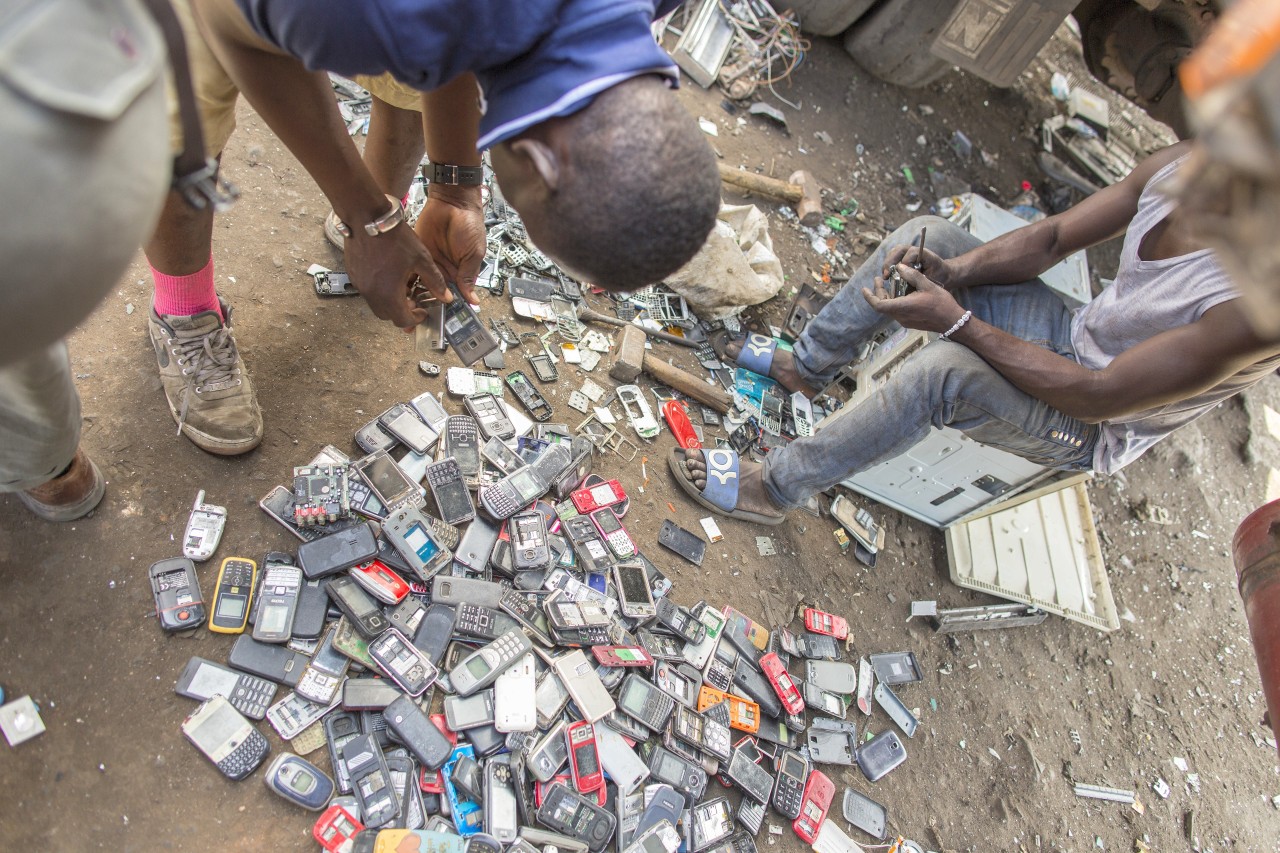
<point x="443" y="472"/>
<point x="245" y="758"/>
<point x="237" y="573"/>
<point x="500" y="500"/>
<point x="620" y="544"/>
<point x="788" y="796"/>
<point x="252" y="695"/>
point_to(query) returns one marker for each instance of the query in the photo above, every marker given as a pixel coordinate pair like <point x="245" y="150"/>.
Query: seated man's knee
<point x="944" y="370"/>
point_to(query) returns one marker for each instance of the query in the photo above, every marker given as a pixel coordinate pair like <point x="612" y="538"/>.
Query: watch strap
<point x="450" y="175"/>
<point x="382" y="224"/>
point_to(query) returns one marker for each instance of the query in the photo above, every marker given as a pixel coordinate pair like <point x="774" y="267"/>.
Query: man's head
<point x="622" y="193"/>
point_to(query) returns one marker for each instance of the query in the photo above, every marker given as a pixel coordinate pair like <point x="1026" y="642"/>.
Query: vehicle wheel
<point x="826" y="17"/>
<point x="892" y="41"/>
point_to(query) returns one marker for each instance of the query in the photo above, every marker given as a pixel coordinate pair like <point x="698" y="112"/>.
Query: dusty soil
<point x="1000" y="711"/>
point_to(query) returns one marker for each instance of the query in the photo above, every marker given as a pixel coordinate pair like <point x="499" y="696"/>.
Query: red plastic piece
<point x="681" y="427"/>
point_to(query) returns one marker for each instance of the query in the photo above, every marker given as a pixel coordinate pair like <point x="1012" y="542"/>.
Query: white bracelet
<point x="964" y="318"/>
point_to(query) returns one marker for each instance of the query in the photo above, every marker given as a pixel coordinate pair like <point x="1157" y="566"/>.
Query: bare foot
<point x="783" y="369"/>
<point x="752" y="496"/>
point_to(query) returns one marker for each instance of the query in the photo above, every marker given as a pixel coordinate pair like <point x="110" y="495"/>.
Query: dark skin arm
<point x="299" y="107"/>
<point x="1167" y="367"/>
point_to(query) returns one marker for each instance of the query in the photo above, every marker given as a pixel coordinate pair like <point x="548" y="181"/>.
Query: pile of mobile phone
<point x="469" y="646"/>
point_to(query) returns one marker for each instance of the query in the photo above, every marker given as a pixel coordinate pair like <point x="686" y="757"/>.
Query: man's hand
<point x="451" y="227"/>
<point x="933" y="266"/>
<point x="928" y="307"/>
<point x="382" y="268"/>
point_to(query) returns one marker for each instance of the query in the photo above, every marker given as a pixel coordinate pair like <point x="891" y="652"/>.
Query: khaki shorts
<point x="216" y="94"/>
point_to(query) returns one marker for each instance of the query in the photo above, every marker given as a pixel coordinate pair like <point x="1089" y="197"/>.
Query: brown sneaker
<point x="331" y="232"/>
<point x="72" y="494"/>
<point x="208" y="389"/>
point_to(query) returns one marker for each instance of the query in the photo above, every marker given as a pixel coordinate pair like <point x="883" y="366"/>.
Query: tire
<point x="826" y="17"/>
<point x="892" y="41"/>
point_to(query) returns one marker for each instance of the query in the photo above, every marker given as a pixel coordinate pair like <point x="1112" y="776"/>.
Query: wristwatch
<point x="382" y="224"/>
<point x="449" y="175"/>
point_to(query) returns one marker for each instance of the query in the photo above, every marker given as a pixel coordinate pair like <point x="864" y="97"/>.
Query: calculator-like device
<point x="226" y="738"/>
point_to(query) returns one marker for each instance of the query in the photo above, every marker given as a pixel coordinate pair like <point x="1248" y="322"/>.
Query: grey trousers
<point x="945" y="384"/>
<point x="39" y="419"/>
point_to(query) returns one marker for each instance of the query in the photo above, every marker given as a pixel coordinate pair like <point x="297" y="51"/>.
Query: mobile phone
<point x="233" y="595"/>
<point x="633" y="590"/>
<point x="592" y="498"/>
<point x="754" y="780"/>
<point x="550" y="698"/>
<point x="565" y="810"/>
<point x="496" y="453"/>
<point x="529" y="541"/>
<point x="549" y="754"/>
<point x="788" y="789"/>
<point x="822" y="622"/>
<point x="698" y="655"/>
<point x="277" y="603"/>
<point x="514" y="697"/>
<point x="878" y="756"/>
<point x="834" y="676"/>
<point x="464" y="331"/>
<point x="453" y="499"/>
<point x="501" y="819"/>
<point x="361" y="611"/>
<point x="411" y="534"/>
<point x="372" y="437"/>
<point x="584" y="759"/>
<point x="299" y="781"/>
<point x="823" y="701"/>
<point x="407" y="616"/>
<point x="711" y="822"/>
<point x="626" y="770"/>
<point x="689" y="545"/>
<point x="435" y="631"/>
<point x="402" y="662"/>
<point x="248" y="694"/>
<point x="369" y="693"/>
<point x="293" y="714"/>
<point x="517" y="490"/>
<point x="387" y="481"/>
<point x="416" y="731"/>
<point x="783" y="684"/>
<point x="336" y="830"/>
<point x="347" y="641"/>
<point x="677" y="772"/>
<point x="661" y="646"/>
<point x="267" y="660"/>
<point x="371" y="780"/>
<point x="491" y="416"/>
<point x="338" y="551"/>
<point x="661" y="837"/>
<point x="749" y="682"/>
<point x="380" y="582"/>
<point x="340" y="727"/>
<point x="818" y="646"/>
<point x="677" y="620"/>
<point x="614" y="534"/>
<point x="476" y="547"/>
<point x="179" y="604"/>
<point x="403" y="772"/>
<point x="581" y="459"/>
<point x="483" y="666"/>
<point x="323" y="676"/>
<point x="584" y="686"/>
<point x="466" y="813"/>
<point x="447" y="589"/>
<point x="622" y="656"/>
<point x="592" y="551"/>
<point x="680" y="681"/>
<point x="462" y="443"/>
<point x="818" y="792"/>
<point x="226" y="738"/>
<point x="204" y="530"/>
<point x="526" y="609"/>
<point x="404" y="425"/>
<point x="642" y="700"/>
<point x="428" y="407"/>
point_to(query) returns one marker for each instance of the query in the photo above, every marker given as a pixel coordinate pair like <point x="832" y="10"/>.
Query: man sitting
<point x="1013" y="368"/>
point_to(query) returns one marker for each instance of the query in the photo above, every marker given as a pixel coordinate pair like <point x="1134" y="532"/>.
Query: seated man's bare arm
<point x="1166" y="368"/>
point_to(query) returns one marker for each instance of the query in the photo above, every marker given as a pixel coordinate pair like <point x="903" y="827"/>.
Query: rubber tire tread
<point x="892" y="41"/>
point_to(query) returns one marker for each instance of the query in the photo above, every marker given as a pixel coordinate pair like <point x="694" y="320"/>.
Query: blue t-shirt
<point x="535" y="59"/>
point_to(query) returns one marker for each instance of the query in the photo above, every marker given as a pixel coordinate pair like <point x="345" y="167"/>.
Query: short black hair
<point x="642" y="190"/>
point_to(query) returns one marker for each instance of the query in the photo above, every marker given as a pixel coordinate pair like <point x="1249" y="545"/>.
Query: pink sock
<point x="184" y="295"/>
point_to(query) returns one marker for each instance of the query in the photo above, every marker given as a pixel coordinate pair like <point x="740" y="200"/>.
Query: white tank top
<point x="1147" y="298"/>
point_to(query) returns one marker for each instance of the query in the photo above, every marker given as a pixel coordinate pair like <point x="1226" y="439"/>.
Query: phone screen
<point x="421" y="543"/>
<point x="607" y="521"/>
<point x="210" y="680"/>
<point x="216" y="729"/>
<point x="635" y="585"/>
<point x="272" y="619"/>
<point x="385" y="478"/>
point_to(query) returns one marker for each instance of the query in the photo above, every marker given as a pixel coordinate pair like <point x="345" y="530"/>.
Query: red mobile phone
<point x="540" y="790"/>
<point x="336" y="829"/>
<point x="622" y="656"/>
<point x="380" y="581"/>
<point x="430" y="781"/>
<point x="681" y="427"/>
<point x="818" y="792"/>
<point x="584" y="759"/>
<point x="783" y="684"/>
<point x="599" y="496"/>
<point x="822" y="622"/>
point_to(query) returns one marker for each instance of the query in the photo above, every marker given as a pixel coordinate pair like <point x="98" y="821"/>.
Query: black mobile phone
<point x="416" y="731"/>
<point x="491" y="416"/>
<point x="277" y="663"/>
<point x="477" y="544"/>
<point x="453" y="499"/>
<point x="248" y="694"/>
<point x="681" y="541"/>
<point x="369" y="693"/>
<point x="179" y="604"/>
<point x="336" y="552"/>
<point x="462" y="442"/>
<point x="312" y="609"/>
<point x="529" y="541"/>
<point x="371" y="780"/>
<point x="435" y="631"/>
<point x="464" y="331"/>
<point x="361" y="610"/>
<point x="339" y="728"/>
<point x="388" y="483"/>
<point x="403" y="422"/>
<point x="565" y="810"/>
<point x="752" y="684"/>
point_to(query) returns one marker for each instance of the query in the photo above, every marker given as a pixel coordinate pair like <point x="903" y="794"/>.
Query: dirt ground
<point x="1007" y="717"/>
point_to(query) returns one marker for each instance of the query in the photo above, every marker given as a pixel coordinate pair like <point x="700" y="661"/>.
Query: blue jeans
<point x="944" y="384"/>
